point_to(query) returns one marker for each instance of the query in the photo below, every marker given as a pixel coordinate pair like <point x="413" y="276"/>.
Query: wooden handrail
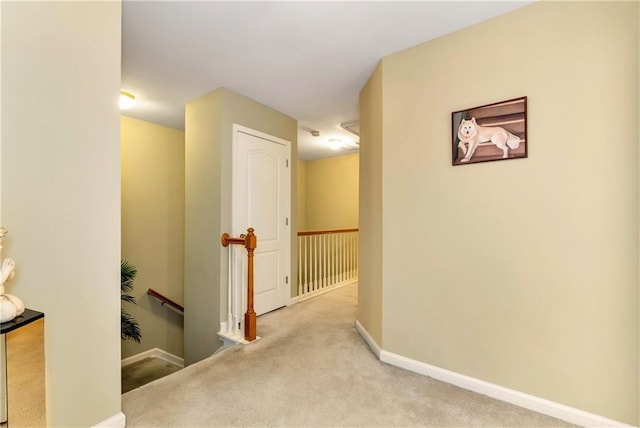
<point x="165" y="300"/>
<point x="250" y="242"/>
<point x="325" y="232"/>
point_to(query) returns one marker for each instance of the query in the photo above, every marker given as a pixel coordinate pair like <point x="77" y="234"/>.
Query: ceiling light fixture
<point x="127" y="100"/>
<point x="335" y="144"/>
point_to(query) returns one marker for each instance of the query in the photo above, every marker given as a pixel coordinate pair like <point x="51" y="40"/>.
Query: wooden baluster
<point x="350" y="267"/>
<point x="300" y="239"/>
<point x="351" y="256"/>
<point x="316" y="281"/>
<point x="309" y="263"/>
<point x="322" y="278"/>
<point x="340" y="258"/>
<point x="357" y="255"/>
<point x="343" y="255"/>
<point x="348" y="256"/>
<point x="324" y="261"/>
<point x="306" y="264"/>
<point x="333" y="259"/>
<point x="345" y="258"/>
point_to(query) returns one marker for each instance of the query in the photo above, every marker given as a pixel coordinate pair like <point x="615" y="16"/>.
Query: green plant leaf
<point x="129" y="327"/>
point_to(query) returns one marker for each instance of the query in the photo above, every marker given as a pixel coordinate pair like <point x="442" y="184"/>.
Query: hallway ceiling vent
<point x="353" y="127"/>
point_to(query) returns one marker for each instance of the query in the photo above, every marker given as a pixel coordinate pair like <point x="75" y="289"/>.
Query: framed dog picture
<point x="492" y="132"/>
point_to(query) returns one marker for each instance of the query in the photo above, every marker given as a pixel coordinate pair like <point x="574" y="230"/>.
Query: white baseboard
<point x="531" y="402"/>
<point x="293" y="300"/>
<point x="154" y="353"/>
<point x="116" y="421"/>
<point x="320" y="292"/>
<point x="237" y="339"/>
<point x="375" y="348"/>
<point x="540" y="405"/>
<point x="297" y="299"/>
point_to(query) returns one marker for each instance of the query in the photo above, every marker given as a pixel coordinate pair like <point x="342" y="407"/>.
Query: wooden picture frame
<point x="491" y="132"/>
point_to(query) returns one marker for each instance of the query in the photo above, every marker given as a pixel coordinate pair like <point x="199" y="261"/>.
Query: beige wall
<point x="209" y="122"/>
<point x="523" y="273"/>
<point x="371" y="209"/>
<point x="153" y="230"/>
<point x="301" y="181"/>
<point x="202" y="227"/>
<point x="332" y="193"/>
<point x="638" y="122"/>
<point x="61" y="193"/>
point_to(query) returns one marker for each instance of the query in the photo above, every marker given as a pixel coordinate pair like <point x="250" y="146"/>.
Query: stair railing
<point x="250" y="242"/>
<point x="327" y="259"/>
<point x="164" y="300"/>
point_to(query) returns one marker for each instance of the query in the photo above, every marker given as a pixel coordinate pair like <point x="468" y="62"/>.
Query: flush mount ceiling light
<point x="127" y="100"/>
<point x="335" y="144"/>
<point x="340" y="144"/>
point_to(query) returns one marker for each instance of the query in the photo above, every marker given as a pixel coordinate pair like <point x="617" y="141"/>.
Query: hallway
<point x="311" y="368"/>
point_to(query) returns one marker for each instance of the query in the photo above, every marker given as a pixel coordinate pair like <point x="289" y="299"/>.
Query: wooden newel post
<point x="250" y="242"/>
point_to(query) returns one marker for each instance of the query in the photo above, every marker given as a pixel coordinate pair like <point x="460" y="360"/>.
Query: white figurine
<point x="10" y="306"/>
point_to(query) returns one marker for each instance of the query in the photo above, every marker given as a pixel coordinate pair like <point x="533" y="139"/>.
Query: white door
<point x="262" y="199"/>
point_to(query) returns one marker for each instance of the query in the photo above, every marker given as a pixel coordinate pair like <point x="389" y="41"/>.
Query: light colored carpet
<point x="311" y="368"/>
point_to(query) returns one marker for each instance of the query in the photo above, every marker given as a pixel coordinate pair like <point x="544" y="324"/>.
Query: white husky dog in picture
<point x="471" y="134"/>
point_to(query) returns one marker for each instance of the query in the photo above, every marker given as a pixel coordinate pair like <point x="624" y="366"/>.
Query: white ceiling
<point x="308" y="60"/>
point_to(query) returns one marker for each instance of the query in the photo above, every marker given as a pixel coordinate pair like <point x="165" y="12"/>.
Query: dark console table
<point x="27" y="317"/>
